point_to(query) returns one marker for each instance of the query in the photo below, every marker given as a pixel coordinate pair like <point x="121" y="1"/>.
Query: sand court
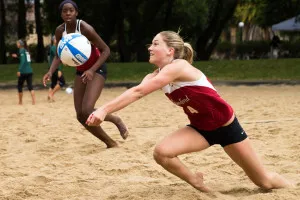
<point x="46" y="154"/>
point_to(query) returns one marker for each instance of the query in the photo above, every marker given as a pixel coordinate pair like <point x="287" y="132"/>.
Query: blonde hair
<point x="182" y="50"/>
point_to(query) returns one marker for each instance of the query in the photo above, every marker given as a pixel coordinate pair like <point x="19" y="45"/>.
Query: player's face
<point x="68" y="13"/>
<point x="158" y="50"/>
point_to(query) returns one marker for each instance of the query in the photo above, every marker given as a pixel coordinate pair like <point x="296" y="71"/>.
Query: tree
<point x="220" y="13"/>
<point x="272" y="12"/>
<point x="21" y="19"/>
<point x="40" y="54"/>
<point x="128" y="25"/>
<point x="3" y="59"/>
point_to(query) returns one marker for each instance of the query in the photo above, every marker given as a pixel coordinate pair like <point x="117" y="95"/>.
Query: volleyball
<point x="74" y="49"/>
<point x="69" y="90"/>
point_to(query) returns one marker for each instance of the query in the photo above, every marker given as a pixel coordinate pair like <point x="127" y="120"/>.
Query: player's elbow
<point x="139" y="92"/>
<point x="106" y="51"/>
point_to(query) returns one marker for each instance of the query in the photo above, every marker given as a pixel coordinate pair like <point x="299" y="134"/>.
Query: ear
<point x="171" y="51"/>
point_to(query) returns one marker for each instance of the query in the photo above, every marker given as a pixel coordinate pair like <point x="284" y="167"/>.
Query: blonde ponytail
<point x="188" y="52"/>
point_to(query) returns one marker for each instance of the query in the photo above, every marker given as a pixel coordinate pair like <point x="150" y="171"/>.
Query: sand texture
<point x="47" y="155"/>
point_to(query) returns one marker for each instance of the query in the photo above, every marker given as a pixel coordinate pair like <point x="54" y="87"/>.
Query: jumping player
<point x="90" y="77"/>
<point x="25" y="71"/>
<point x="212" y="119"/>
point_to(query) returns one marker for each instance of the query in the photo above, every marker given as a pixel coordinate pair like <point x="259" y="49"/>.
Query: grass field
<point x="242" y="70"/>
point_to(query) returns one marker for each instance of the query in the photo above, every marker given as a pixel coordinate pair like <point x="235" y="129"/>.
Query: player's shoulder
<point x="60" y="28"/>
<point x="85" y="27"/>
<point x="21" y="50"/>
<point x="180" y="62"/>
<point x="177" y="64"/>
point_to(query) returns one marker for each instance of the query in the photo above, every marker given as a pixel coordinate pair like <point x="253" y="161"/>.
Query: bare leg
<point x="85" y="97"/>
<point x="184" y="140"/>
<point x="119" y="123"/>
<point x="32" y="97"/>
<point x="55" y="89"/>
<point x="20" y="95"/>
<point x="49" y="97"/>
<point x="243" y="154"/>
<point x="52" y="92"/>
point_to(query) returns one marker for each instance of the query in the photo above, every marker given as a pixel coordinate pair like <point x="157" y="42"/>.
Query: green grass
<point x="281" y="69"/>
<point x="241" y="70"/>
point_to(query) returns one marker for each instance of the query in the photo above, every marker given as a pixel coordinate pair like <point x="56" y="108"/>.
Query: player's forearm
<point x="123" y="100"/>
<point x="54" y="65"/>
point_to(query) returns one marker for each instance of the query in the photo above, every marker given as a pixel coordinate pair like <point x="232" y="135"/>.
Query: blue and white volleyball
<point x="74" y="49"/>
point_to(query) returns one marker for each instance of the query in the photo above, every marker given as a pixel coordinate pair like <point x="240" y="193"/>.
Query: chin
<point x="151" y="61"/>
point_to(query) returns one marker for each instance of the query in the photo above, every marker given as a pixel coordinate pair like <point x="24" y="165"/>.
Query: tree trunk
<point x="123" y="48"/>
<point x="208" y="39"/>
<point x="168" y="14"/>
<point x="40" y="55"/>
<point x="3" y="59"/>
<point x="110" y="21"/>
<point x="21" y="20"/>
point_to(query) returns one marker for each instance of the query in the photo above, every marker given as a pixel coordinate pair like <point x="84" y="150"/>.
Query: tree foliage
<point x="127" y="26"/>
<point x="2" y="33"/>
<point x="274" y="11"/>
<point x="39" y="30"/>
<point x="21" y="19"/>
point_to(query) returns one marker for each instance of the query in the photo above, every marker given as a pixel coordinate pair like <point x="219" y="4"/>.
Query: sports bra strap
<point x="78" y="25"/>
<point x="77" y="29"/>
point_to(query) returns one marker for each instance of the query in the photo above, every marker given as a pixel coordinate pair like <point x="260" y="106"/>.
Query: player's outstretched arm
<point x="148" y="85"/>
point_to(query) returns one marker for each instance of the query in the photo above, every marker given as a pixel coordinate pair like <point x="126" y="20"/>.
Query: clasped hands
<point x="96" y="117"/>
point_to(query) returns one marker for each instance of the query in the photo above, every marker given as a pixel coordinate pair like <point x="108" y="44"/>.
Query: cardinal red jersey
<point x="95" y="53"/>
<point x="201" y="102"/>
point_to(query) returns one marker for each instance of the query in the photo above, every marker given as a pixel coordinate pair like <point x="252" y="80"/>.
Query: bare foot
<point x="198" y="183"/>
<point x="279" y="182"/>
<point x="112" y="145"/>
<point x="123" y="129"/>
<point x="50" y="98"/>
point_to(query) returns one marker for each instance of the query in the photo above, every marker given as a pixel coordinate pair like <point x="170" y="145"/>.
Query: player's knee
<point x="83" y="115"/>
<point x="160" y="155"/>
<point x="81" y="118"/>
<point x="20" y="88"/>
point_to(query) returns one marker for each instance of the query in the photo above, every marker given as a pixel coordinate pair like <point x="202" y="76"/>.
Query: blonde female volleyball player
<point x="212" y="120"/>
<point x="90" y="77"/>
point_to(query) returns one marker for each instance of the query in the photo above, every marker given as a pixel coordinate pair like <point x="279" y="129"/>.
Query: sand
<point x="46" y="154"/>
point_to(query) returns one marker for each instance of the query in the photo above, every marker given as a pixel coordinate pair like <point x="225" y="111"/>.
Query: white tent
<point x="292" y="24"/>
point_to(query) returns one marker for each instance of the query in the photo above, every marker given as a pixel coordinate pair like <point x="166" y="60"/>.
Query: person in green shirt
<point x="57" y="78"/>
<point x="24" y="72"/>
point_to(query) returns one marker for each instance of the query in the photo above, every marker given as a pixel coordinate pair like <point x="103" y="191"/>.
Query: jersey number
<point x="192" y="110"/>
<point x="28" y="57"/>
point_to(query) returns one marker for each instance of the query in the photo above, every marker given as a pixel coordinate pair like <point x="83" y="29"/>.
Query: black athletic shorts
<point x="22" y="78"/>
<point x="101" y="70"/>
<point x="224" y="135"/>
<point x="55" y="79"/>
